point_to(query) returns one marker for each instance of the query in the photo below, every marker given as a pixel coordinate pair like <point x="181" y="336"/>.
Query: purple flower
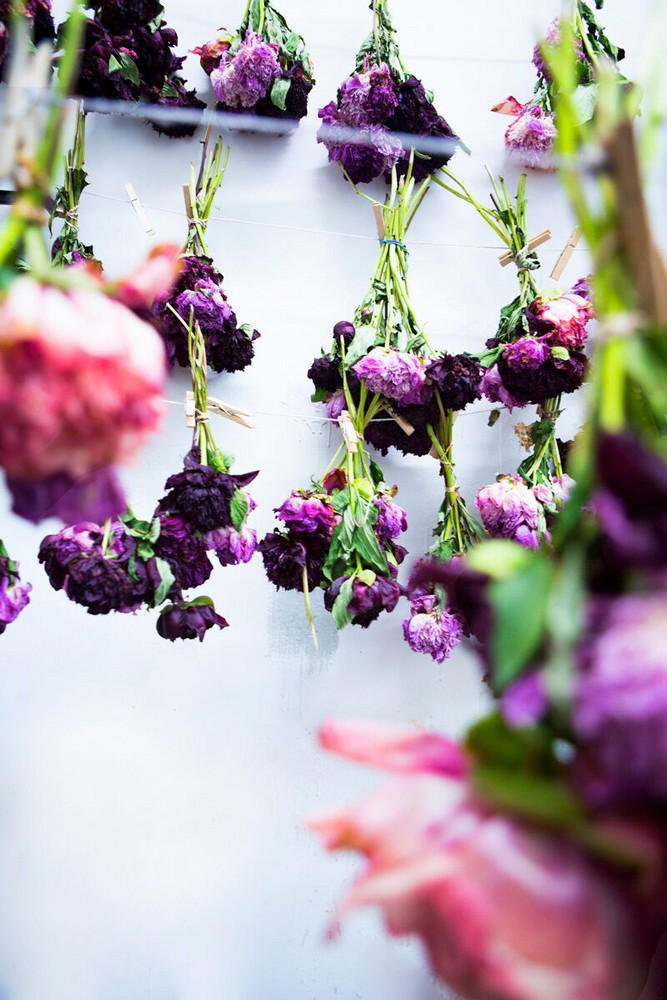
<point x="14" y="595"/>
<point x="201" y="496"/>
<point x="620" y="701"/>
<point x="242" y="78"/>
<point x="493" y="387"/>
<point x="184" y="551"/>
<point x="229" y="347"/>
<point x="525" y="703"/>
<point x="531" y="137"/>
<point x="285" y="557"/>
<point x="368" y="98"/>
<point x="364" y="157"/>
<point x="392" y="520"/>
<point x="100" y="578"/>
<point x="325" y="374"/>
<point x="526" y="352"/>
<point x="189" y="621"/>
<point x="510" y="509"/>
<point x="550" y="42"/>
<point x="309" y="514"/>
<point x="335" y="404"/>
<point x="368" y="600"/>
<point x="436" y="632"/>
<point x="395" y="374"/>
<point x="39" y="18"/>
<point x="416" y="114"/>
<point x="555" y="377"/>
<point x="95" y="497"/>
<point x="384" y="434"/>
<point x="233" y="547"/>
<point x="457" y="378"/>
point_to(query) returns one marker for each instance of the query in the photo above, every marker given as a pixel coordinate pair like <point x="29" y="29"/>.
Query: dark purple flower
<point x="368" y="600"/>
<point x="535" y="385"/>
<point x="118" y="15"/>
<point x="184" y="551"/>
<point x="39" y="17"/>
<point x="101" y="579"/>
<point x="417" y="115"/>
<point x="296" y="101"/>
<point x="199" y="290"/>
<point x="457" y="378"/>
<point x="14" y="595"/>
<point x="201" y="496"/>
<point x="386" y="433"/>
<point x="285" y="557"/>
<point x="189" y="620"/>
<point x="344" y="331"/>
<point x="93" y="498"/>
<point x="325" y="374"/>
<point x="175" y="94"/>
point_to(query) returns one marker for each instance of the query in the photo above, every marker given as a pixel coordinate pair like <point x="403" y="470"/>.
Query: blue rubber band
<point x="396" y="243"/>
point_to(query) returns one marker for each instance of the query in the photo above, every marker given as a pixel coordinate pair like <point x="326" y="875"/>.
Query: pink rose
<point x="505" y="911"/>
<point x="568" y="315"/>
<point x="81" y="381"/>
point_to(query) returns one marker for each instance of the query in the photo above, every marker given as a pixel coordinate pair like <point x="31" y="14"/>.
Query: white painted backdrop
<point x="152" y="795"/>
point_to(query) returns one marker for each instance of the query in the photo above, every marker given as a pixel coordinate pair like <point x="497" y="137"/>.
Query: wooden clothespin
<point x="508" y="257"/>
<point x="644" y="259"/>
<point x="229" y="412"/>
<point x="404" y="424"/>
<point x="379" y="220"/>
<point x="567" y="252"/>
<point x="187" y="200"/>
<point x="139" y="209"/>
<point x="190" y="410"/>
<point x="349" y="432"/>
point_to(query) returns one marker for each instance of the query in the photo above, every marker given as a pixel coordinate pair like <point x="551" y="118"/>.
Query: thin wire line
<point x="310" y="418"/>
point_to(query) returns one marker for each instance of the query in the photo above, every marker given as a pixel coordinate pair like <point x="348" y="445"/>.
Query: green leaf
<point x="519" y="604"/>
<point x="341" y="500"/>
<point x="584" y="100"/>
<point x="548" y="801"/>
<point x="368" y="547"/>
<point x="560" y="352"/>
<point x="279" y="92"/>
<point x="492" y="741"/>
<point x="239" y="509"/>
<point x="364" y="339"/>
<point x="167" y="580"/>
<point x="126" y="66"/>
<point x="339" y="611"/>
<point x="377" y="475"/>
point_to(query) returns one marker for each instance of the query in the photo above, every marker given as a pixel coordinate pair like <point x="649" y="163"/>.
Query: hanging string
<point x="312" y="419"/>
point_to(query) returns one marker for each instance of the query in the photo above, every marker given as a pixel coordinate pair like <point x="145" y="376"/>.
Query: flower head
<point x="392" y="520"/>
<point x="190" y="620"/>
<point x="368" y="155"/>
<point x="201" y="496"/>
<point x="285" y="557"/>
<point x="511" y="509"/>
<point x="563" y="319"/>
<point x="526" y="352"/>
<point x="81" y="381"/>
<point x="233" y="546"/>
<point x="493" y="387"/>
<point x="309" y="514"/>
<point x="395" y="374"/>
<point x="369" y="97"/>
<point x="243" y="77"/>
<point x="368" y="600"/>
<point x="432" y="630"/>
<point x="97" y="496"/>
<point x="531" y="137"/>
<point x="178" y="544"/>
<point x="457" y="378"/>
<point x="14" y="595"/>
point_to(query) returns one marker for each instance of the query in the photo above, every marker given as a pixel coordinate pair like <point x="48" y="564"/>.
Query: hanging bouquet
<point x="81" y="376"/>
<point x="37" y="14"/>
<point x="404" y="395"/>
<point x="531" y="135"/>
<point x="127" y="563"/>
<point x="198" y="290"/>
<point x="127" y="55"/>
<point x="340" y="535"/>
<point x="381" y="98"/>
<point x="536" y="357"/>
<point x="14" y="595"/>
<point x="263" y="69"/>
<point x="531" y="860"/>
<point x="68" y="248"/>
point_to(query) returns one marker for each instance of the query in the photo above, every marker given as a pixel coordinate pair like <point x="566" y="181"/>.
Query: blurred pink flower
<point x="153" y="278"/>
<point x="81" y="380"/>
<point x="505" y="911"/>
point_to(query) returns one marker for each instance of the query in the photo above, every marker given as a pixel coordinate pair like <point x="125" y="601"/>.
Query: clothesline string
<point x="311" y="418"/>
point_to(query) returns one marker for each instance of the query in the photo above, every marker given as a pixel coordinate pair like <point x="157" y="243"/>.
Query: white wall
<point x="151" y="796"/>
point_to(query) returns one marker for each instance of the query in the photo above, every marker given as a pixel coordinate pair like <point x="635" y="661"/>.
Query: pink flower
<point x="395" y="374"/>
<point x="505" y="911"/>
<point x="81" y="381"/>
<point x="531" y="135"/>
<point x="152" y="279"/>
<point x="403" y="749"/>
<point x="567" y="317"/>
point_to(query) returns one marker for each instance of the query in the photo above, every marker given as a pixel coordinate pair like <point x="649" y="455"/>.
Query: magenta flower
<point x="493" y="387"/>
<point x="394" y="374"/>
<point x="307" y="513"/>
<point x="243" y="78"/>
<point x="368" y="98"/>
<point x="14" y="595"/>
<point x="392" y="520"/>
<point x="564" y="319"/>
<point x="526" y="352"/>
<point x="233" y="547"/>
<point x="525" y="702"/>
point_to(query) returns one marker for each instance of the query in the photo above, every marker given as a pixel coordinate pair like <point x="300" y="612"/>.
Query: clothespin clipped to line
<point x="349" y="432"/>
<point x="187" y="199"/>
<point x="566" y="254"/>
<point x="379" y="220"/>
<point x="140" y="210"/>
<point x="404" y="424"/>
<point x="508" y="257"/>
<point x="220" y="409"/>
